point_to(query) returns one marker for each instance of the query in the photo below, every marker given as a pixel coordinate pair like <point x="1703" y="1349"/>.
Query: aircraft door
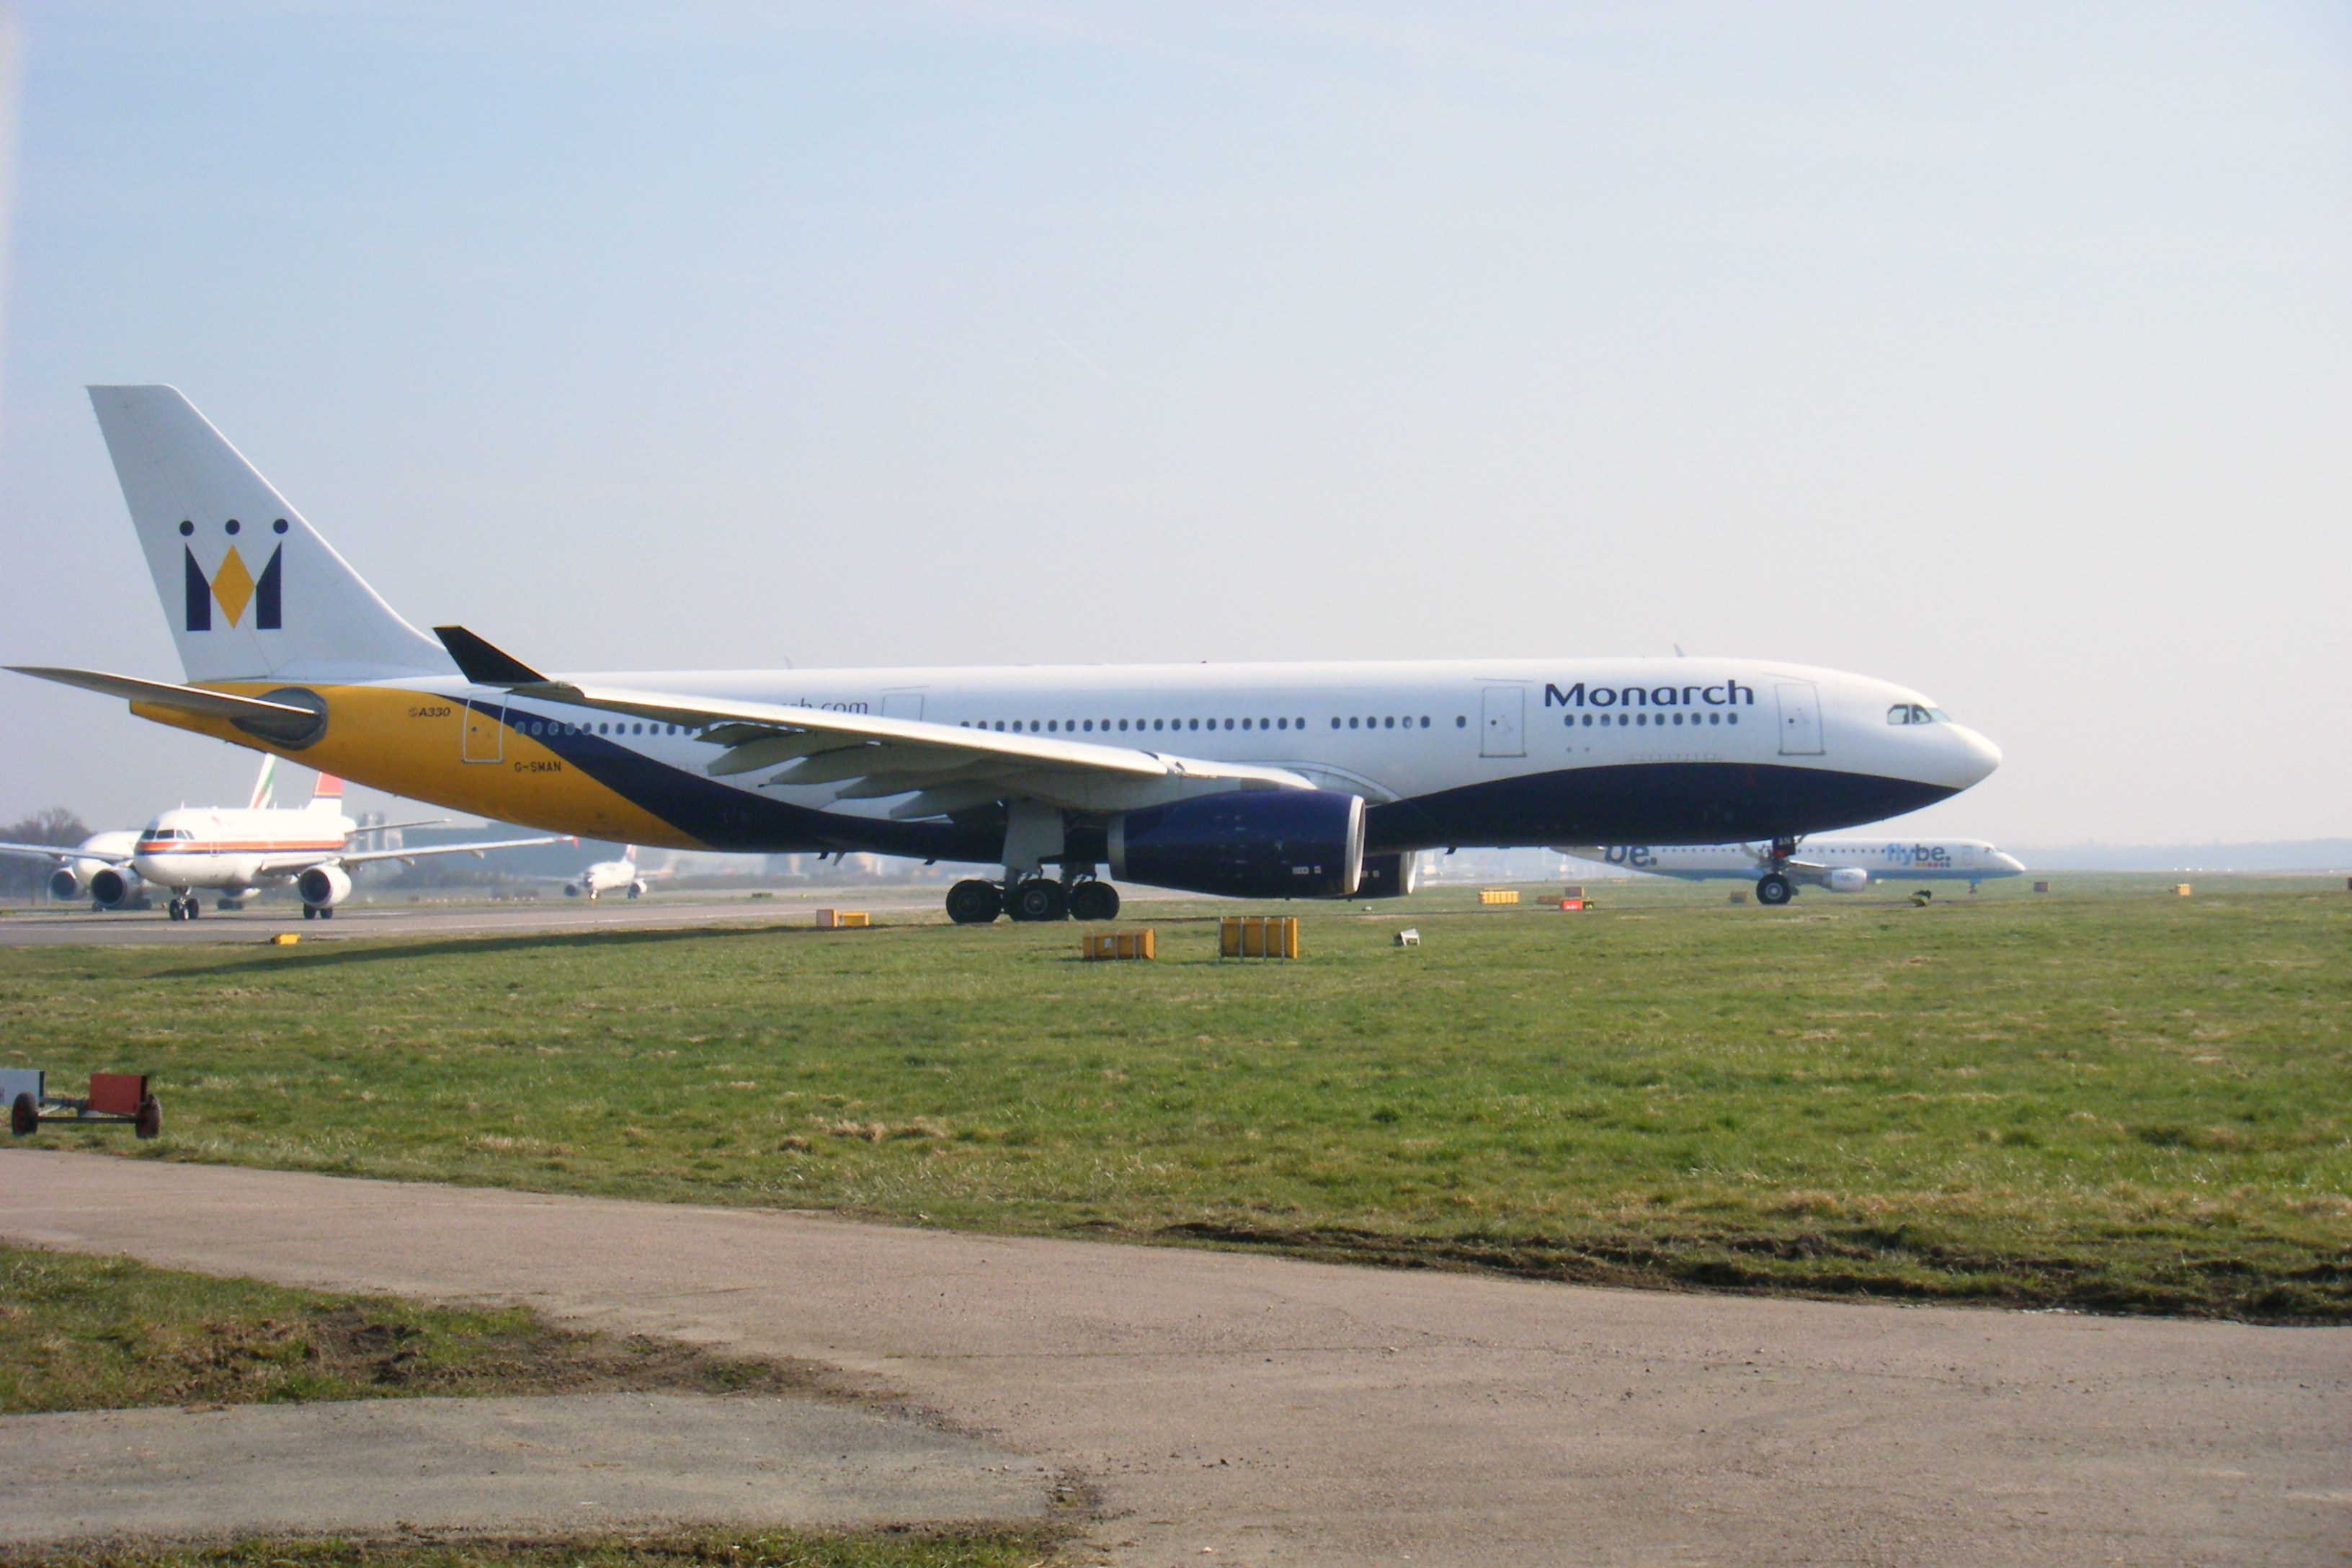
<point x="1505" y="732"/>
<point x="1801" y="718"/>
<point x="485" y="737"/>
<point x="902" y="705"/>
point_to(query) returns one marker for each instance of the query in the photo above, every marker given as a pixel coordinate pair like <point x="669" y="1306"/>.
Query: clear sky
<point x="2002" y="351"/>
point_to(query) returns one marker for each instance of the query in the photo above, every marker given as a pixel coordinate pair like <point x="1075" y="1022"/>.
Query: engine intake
<point x="323" y="887"/>
<point x="115" y="887"/>
<point x="64" y="885"/>
<point x="1248" y="844"/>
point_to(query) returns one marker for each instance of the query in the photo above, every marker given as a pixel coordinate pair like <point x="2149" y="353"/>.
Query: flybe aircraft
<point x="1253" y="780"/>
<point x="1841" y="866"/>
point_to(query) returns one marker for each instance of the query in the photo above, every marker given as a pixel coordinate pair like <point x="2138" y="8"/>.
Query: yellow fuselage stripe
<point x="413" y="744"/>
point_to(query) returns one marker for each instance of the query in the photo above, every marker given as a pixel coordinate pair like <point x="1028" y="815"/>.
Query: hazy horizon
<point x="2005" y="353"/>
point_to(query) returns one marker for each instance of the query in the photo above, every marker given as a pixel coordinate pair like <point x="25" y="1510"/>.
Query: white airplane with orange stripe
<point x="237" y="853"/>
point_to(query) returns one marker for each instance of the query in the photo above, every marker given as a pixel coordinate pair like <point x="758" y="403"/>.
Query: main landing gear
<point x="318" y="911"/>
<point x="1773" y="887"/>
<point x="974" y="902"/>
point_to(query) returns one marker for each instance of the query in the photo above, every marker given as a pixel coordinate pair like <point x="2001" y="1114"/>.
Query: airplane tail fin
<point x="263" y="783"/>
<point x="326" y="795"/>
<point x="251" y="590"/>
<point x="629" y="853"/>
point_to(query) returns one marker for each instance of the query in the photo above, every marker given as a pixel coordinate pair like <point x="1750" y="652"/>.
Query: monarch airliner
<point x="1253" y="779"/>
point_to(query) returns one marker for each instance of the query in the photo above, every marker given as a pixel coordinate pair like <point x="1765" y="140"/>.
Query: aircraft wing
<point x="294" y="864"/>
<point x="362" y="859"/>
<point x="64" y="852"/>
<point x="163" y="694"/>
<point x="943" y="765"/>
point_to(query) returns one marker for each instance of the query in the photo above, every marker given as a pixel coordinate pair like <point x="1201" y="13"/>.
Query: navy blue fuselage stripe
<point x="1645" y="802"/>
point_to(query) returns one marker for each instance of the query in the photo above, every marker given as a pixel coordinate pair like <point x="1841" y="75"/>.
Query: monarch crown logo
<point x="233" y="586"/>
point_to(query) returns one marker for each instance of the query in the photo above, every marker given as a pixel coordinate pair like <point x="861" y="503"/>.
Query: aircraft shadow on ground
<point x="394" y="951"/>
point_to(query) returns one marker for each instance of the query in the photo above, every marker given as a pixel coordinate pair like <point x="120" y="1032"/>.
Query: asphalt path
<point x="559" y="1464"/>
<point x="74" y="926"/>
<point x="1246" y="1409"/>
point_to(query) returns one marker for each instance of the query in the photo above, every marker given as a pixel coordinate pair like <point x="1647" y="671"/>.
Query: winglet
<point x="483" y="665"/>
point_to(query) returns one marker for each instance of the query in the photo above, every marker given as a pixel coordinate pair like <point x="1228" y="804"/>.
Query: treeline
<point x="22" y="876"/>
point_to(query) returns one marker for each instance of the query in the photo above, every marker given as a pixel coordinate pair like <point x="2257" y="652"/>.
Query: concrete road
<point x="571" y="1462"/>
<point x="73" y="926"/>
<point x="1244" y="1409"/>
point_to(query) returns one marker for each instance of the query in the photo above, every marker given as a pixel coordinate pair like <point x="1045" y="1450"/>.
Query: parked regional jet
<point x="1257" y="780"/>
<point x="1841" y="867"/>
<point x="610" y="877"/>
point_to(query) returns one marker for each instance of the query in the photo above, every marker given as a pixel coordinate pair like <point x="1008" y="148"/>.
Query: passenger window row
<point x="1625" y="720"/>
<point x="1086" y="726"/>
<point x="1106" y="726"/>
<point x="552" y="727"/>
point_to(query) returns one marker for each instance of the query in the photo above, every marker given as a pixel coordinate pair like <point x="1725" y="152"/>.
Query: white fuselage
<point x="1905" y="860"/>
<point x="609" y="877"/>
<point x="236" y="851"/>
<point x="1462" y="753"/>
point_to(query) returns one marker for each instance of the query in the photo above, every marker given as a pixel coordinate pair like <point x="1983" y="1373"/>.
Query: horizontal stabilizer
<point x="162" y="694"/>
<point x="483" y="665"/>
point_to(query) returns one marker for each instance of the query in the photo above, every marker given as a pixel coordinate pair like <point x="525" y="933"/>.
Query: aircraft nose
<point x="1978" y="757"/>
<point x="2009" y="862"/>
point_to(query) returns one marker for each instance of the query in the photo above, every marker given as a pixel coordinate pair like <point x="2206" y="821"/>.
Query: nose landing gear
<point x="1773" y="887"/>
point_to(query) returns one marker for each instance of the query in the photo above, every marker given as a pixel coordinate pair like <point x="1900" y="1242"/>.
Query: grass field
<point x="108" y="1333"/>
<point x="2104" y="1097"/>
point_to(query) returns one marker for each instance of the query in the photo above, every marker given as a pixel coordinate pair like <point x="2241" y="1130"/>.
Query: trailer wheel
<point x="150" y="1120"/>
<point x="23" y="1116"/>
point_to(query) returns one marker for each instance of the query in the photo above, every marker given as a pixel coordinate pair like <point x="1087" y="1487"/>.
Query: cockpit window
<point x="1937" y="714"/>
<point x="1899" y="714"/>
<point x="1913" y="713"/>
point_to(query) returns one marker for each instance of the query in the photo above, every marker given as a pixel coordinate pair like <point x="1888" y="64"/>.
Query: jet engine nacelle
<point x="1248" y="844"/>
<point x="1848" y="879"/>
<point x="116" y="886"/>
<point x="66" y="885"/>
<point x="1390" y="876"/>
<point x="323" y="887"/>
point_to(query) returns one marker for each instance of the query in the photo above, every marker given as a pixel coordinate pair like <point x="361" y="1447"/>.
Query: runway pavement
<point x="558" y="1463"/>
<point x="1245" y="1409"/>
<point x="71" y="925"/>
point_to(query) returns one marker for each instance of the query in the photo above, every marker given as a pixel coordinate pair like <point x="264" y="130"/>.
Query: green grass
<point x="107" y="1333"/>
<point x="705" y="1549"/>
<point x="2104" y="1098"/>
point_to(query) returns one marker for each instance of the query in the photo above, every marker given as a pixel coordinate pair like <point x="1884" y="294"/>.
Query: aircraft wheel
<point x="176" y="910"/>
<point x="1774" y="889"/>
<point x="308" y="913"/>
<point x="195" y="906"/>
<point x="1040" y="899"/>
<point x="973" y="902"/>
<point x="327" y="912"/>
<point x="1094" y="901"/>
<point x="23" y="1116"/>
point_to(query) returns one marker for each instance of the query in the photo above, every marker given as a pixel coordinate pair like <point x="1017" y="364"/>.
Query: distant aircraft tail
<point x="251" y="590"/>
<point x="326" y="795"/>
<point x="629" y="853"/>
<point x="263" y="783"/>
